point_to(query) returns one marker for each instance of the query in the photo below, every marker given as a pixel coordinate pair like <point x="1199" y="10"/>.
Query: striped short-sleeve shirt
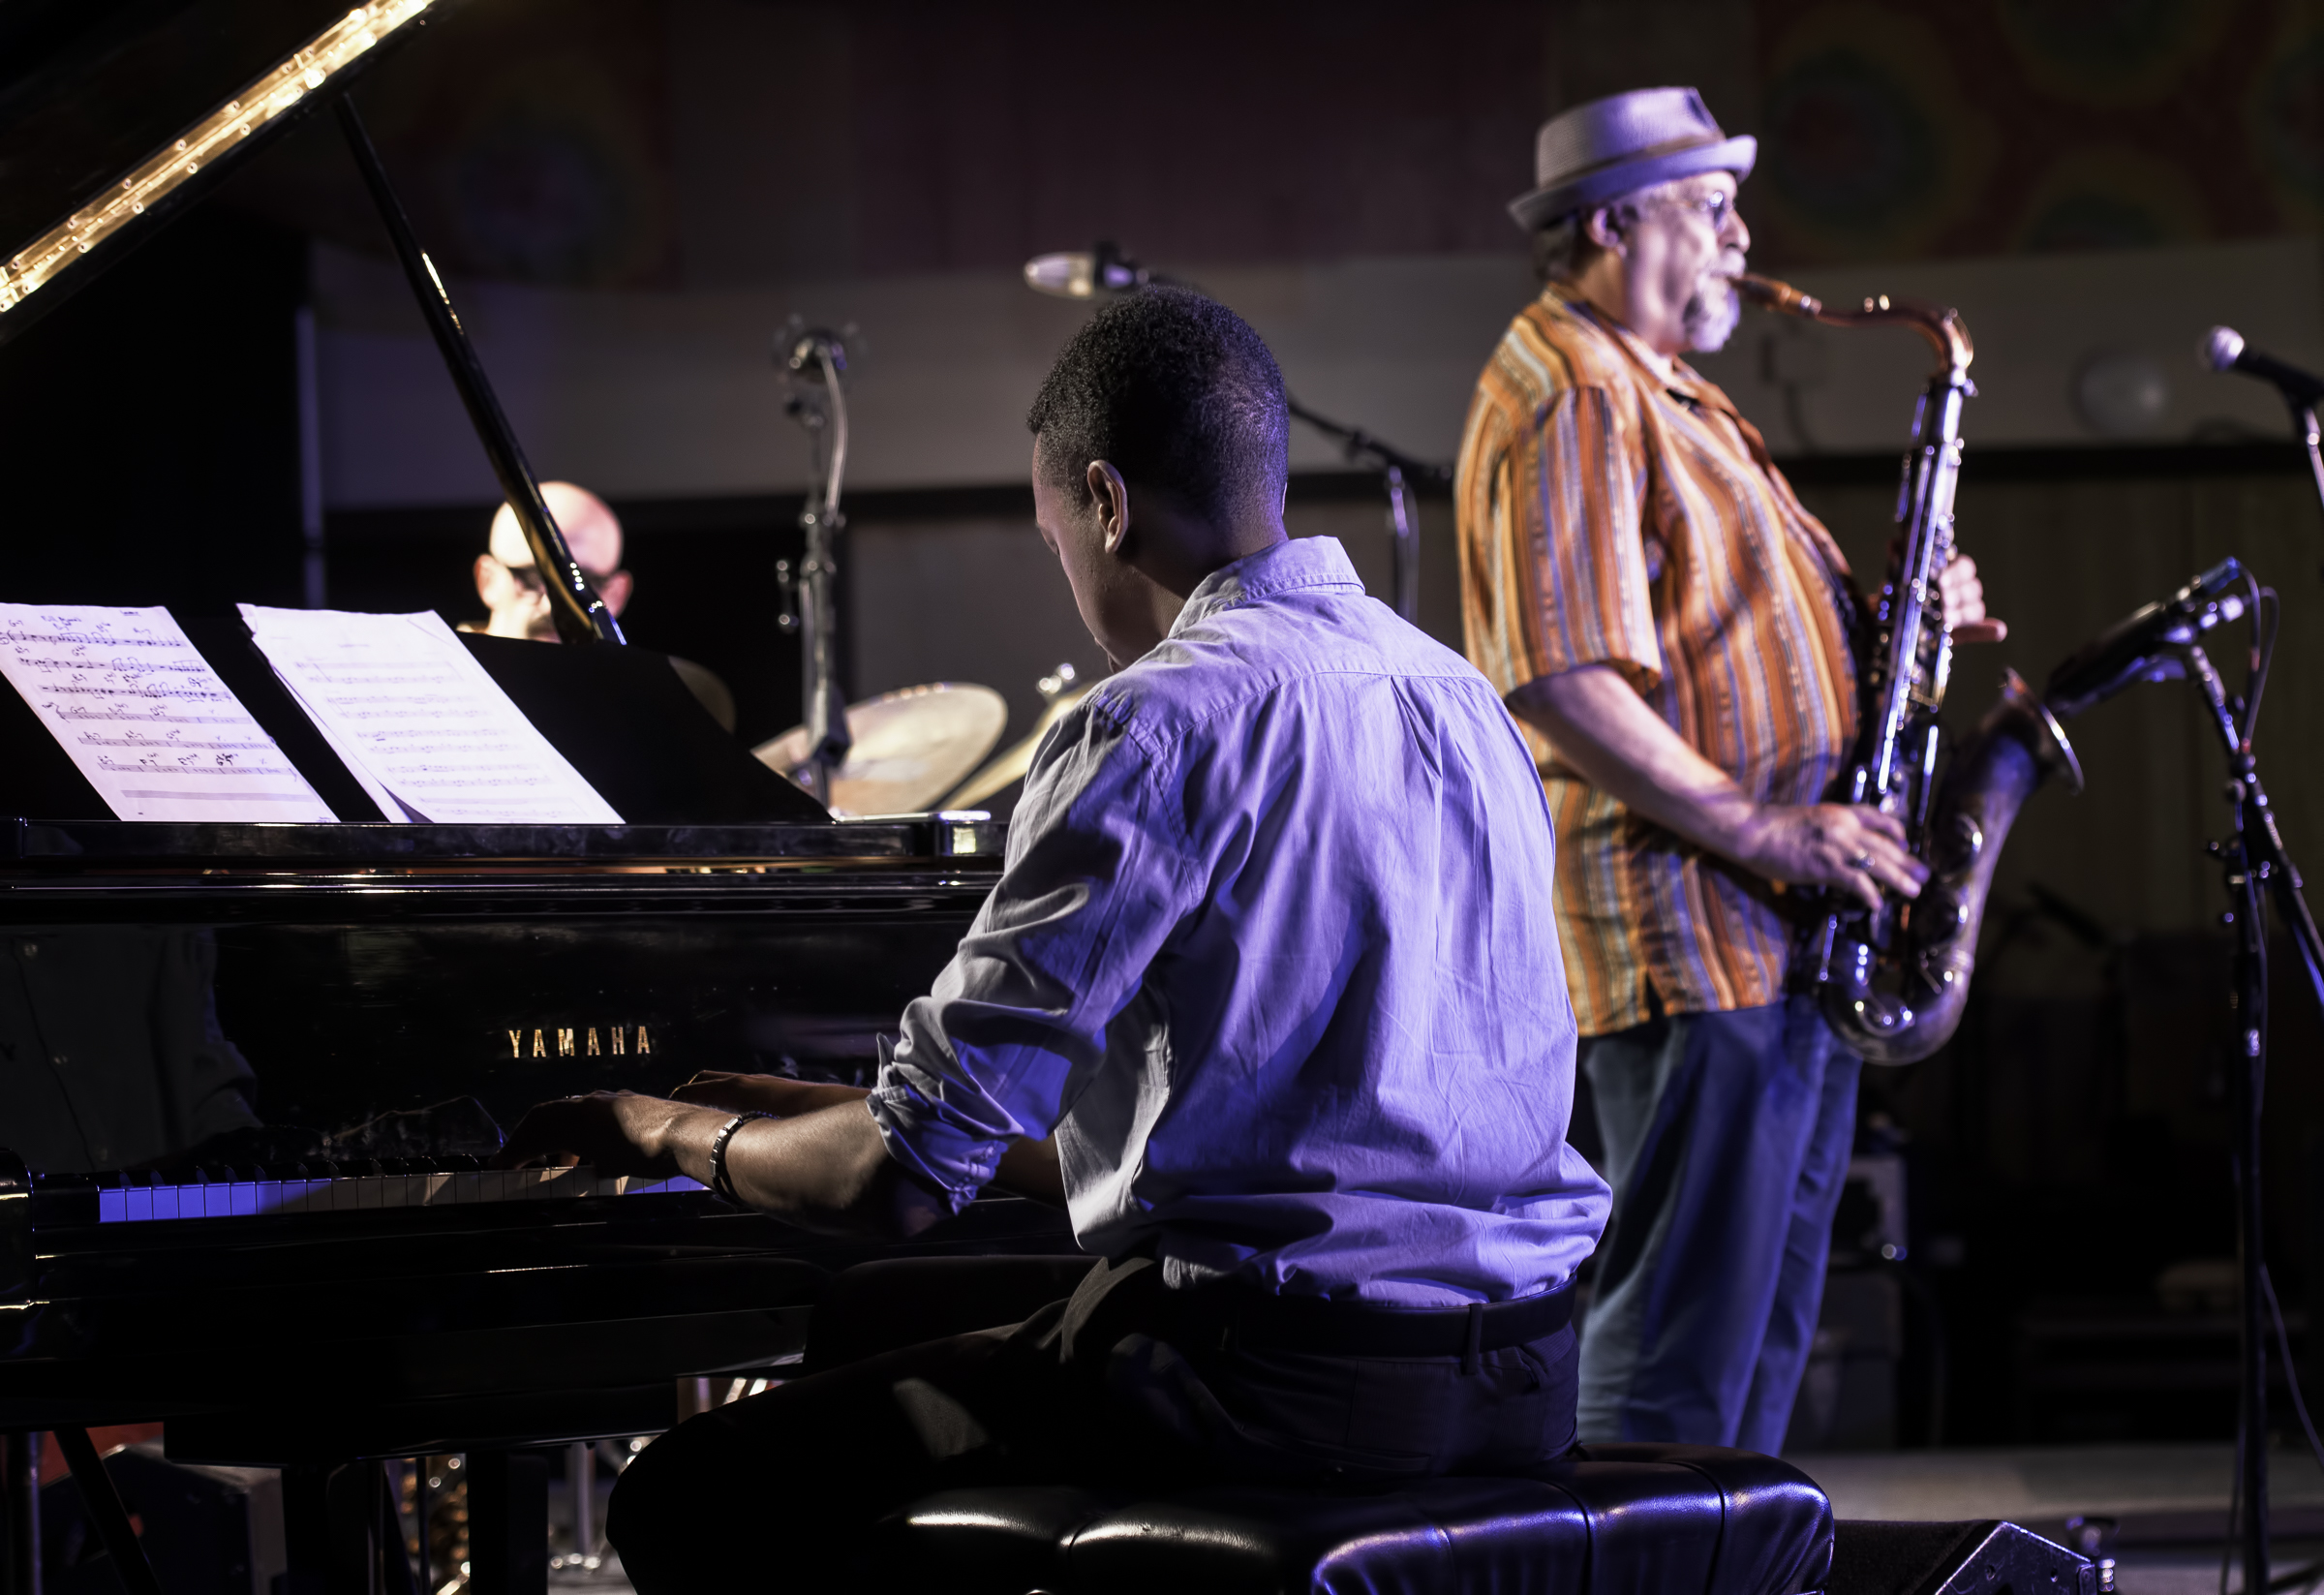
<point x="1613" y="514"/>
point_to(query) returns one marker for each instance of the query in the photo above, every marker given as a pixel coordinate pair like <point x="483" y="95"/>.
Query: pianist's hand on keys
<point x="616" y="1132"/>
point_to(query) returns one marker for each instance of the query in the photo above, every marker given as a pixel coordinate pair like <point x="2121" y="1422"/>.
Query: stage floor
<point x="2171" y="1500"/>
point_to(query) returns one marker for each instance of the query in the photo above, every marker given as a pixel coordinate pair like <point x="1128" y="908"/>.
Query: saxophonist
<point x="1674" y="630"/>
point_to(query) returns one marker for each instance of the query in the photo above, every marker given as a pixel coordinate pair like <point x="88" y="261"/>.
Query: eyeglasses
<point x="1713" y="207"/>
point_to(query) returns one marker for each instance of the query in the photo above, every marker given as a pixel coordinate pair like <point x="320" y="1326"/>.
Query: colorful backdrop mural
<point x="2014" y="125"/>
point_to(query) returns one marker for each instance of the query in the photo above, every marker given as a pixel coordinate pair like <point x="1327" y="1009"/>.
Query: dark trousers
<point x="1726" y="1143"/>
<point x="779" y="1491"/>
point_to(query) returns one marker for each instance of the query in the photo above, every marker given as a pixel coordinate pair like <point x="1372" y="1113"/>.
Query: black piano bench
<point x="1610" y="1520"/>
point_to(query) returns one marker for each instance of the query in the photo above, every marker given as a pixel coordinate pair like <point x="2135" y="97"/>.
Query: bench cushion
<point x="1608" y="1520"/>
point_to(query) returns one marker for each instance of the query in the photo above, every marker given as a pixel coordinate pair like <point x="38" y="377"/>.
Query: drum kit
<point x="919" y="749"/>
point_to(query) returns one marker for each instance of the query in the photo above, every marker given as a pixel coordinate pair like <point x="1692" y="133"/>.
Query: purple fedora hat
<point x="1592" y="152"/>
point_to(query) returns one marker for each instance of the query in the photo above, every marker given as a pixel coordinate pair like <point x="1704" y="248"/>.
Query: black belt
<point x="1364" y="1329"/>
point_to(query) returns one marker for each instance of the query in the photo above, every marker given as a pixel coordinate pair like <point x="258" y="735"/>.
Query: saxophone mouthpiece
<point x="1770" y="295"/>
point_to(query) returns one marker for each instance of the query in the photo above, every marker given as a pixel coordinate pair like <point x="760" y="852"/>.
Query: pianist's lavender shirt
<point x="1273" y="954"/>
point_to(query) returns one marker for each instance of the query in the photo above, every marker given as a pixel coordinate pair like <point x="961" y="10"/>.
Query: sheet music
<point x="145" y="718"/>
<point x="419" y="722"/>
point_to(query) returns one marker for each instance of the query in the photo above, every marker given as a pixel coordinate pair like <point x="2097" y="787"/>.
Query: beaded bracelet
<point x="721" y="1184"/>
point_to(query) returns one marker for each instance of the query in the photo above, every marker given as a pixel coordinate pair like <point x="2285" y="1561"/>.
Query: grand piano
<point x="250" y="1075"/>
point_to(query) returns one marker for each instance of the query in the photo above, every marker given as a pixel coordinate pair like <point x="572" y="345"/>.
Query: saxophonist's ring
<point x="1862" y="861"/>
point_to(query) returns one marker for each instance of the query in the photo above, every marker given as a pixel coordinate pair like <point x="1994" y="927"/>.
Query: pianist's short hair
<point x="1175" y="392"/>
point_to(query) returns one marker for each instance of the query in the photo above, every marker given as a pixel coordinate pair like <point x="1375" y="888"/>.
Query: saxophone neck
<point x="1782" y="297"/>
<point x="1940" y="325"/>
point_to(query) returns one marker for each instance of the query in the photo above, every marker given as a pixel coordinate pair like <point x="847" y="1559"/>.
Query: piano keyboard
<point x="140" y="1199"/>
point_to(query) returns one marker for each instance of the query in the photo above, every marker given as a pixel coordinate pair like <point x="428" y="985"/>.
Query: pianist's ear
<point x="1109" y="497"/>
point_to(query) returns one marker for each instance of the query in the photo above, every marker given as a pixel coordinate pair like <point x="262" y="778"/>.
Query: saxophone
<point x="1893" y="981"/>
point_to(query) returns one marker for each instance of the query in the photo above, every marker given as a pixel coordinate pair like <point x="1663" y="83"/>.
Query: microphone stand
<point x="2255" y="863"/>
<point x="2304" y="423"/>
<point x="1397" y="472"/>
<point x="814" y="611"/>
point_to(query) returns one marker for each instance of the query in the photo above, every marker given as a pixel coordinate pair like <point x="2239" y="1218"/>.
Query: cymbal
<point x="1011" y="766"/>
<point x="911" y="747"/>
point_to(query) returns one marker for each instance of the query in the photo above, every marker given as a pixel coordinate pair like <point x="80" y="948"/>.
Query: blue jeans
<point x="1726" y="1143"/>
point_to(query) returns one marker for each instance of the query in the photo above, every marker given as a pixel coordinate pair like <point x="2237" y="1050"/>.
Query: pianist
<point x="1273" y="970"/>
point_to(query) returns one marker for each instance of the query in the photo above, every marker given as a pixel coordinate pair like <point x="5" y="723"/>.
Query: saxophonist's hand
<point x="1850" y="847"/>
<point x="1965" y="603"/>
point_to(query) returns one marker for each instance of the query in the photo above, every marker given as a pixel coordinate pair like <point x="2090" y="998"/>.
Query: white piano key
<point x="557" y="1185"/>
<point x="243" y="1198"/>
<point x="112" y="1206"/>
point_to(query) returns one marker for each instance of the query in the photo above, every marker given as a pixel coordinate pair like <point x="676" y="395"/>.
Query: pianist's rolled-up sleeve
<point x="1099" y="873"/>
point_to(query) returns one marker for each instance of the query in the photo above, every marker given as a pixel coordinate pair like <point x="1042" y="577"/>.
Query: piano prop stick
<point x="580" y="615"/>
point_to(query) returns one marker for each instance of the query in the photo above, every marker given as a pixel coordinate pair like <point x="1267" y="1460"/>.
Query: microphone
<point x="2144" y="647"/>
<point x="1105" y="269"/>
<point x="2224" y="350"/>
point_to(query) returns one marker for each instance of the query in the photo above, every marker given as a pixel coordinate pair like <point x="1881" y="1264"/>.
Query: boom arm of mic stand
<point x="1397" y="472"/>
<point x="1367" y="450"/>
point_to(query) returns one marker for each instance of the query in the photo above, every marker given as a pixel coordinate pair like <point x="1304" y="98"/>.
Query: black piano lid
<point x="96" y="94"/>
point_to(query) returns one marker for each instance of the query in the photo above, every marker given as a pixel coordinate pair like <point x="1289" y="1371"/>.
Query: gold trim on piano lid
<point x="315" y="63"/>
